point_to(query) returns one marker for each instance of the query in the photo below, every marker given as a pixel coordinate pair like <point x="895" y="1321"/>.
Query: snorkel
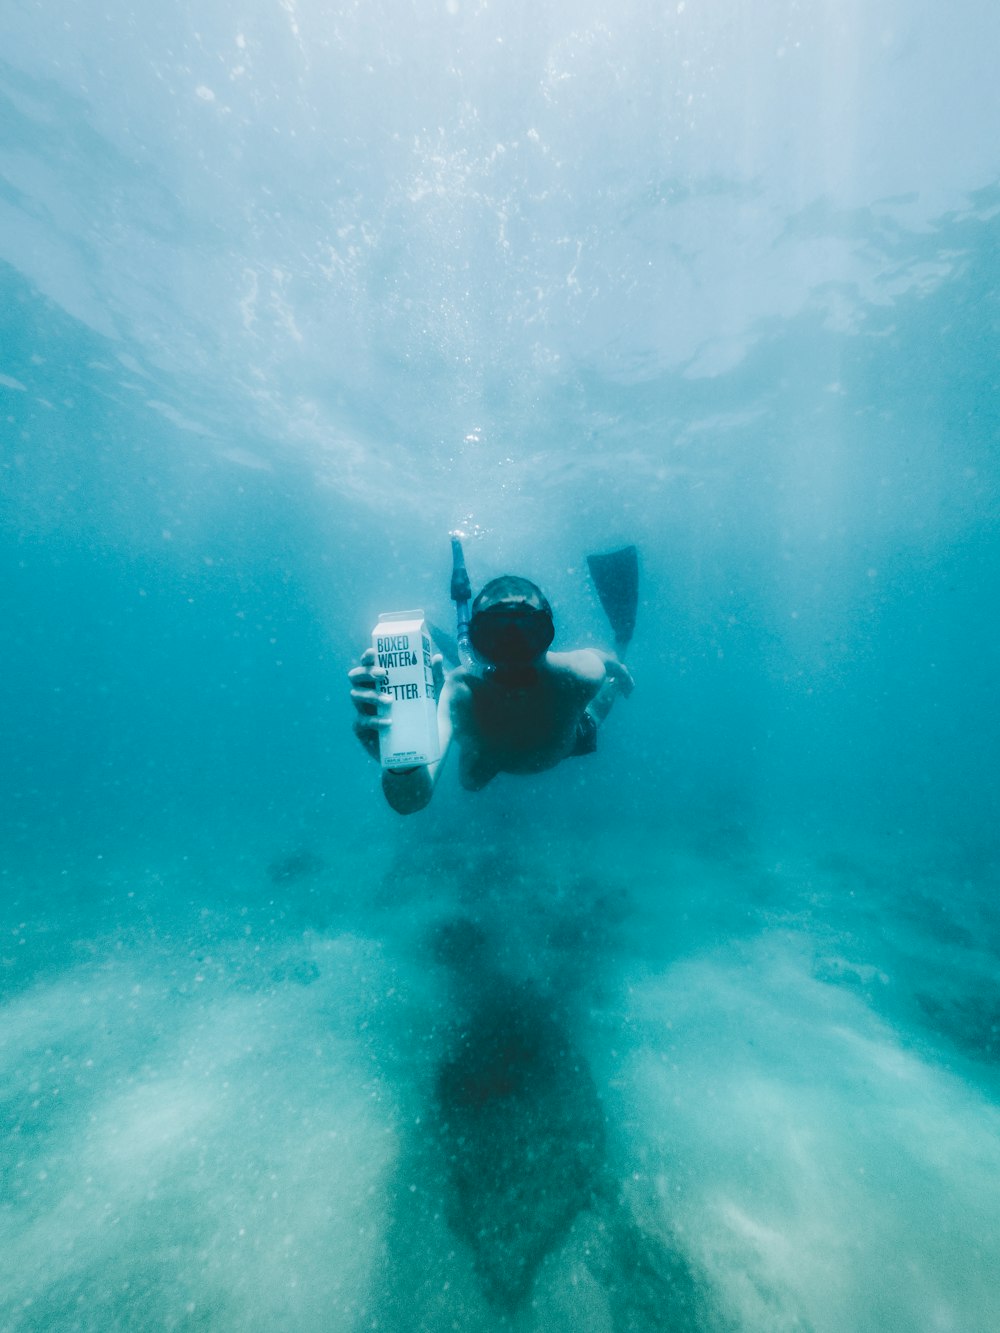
<point x="461" y="595"/>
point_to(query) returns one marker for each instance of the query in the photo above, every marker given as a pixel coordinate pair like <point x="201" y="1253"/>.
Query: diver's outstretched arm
<point x="476" y="767"/>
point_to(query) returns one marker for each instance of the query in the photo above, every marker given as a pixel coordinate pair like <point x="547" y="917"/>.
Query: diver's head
<point x="511" y="625"/>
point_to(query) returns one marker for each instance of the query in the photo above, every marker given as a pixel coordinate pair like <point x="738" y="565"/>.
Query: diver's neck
<point x="520" y="676"/>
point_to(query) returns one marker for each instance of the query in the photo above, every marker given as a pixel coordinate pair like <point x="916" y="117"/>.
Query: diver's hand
<point x="620" y="674"/>
<point x="373" y="707"/>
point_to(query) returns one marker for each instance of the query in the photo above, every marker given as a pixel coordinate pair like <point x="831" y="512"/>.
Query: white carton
<point x="403" y="651"/>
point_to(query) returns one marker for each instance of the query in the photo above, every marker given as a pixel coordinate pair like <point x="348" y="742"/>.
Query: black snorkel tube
<point x="461" y="595"/>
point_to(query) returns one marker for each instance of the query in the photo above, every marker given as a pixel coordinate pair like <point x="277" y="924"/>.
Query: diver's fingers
<point x="364" y="679"/>
<point x="369" y="671"/>
<point x="368" y="657"/>
<point x="622" y="677"/>
<point x="370" y="703"/>
<point x="372" y="697"/>
<point x="371" y="726"/>
<point x="437" y="670"/>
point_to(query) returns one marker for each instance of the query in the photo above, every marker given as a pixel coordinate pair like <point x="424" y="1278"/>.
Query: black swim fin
<point x="616" y="578"/>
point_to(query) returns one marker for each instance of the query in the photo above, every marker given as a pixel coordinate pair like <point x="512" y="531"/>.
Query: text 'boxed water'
<point x="403" y="651"/>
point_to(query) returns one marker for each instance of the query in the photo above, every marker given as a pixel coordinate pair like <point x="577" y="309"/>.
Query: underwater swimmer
<point x="525" y="710"/>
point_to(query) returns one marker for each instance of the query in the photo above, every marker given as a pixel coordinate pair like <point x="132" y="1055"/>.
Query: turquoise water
<point x="700" y="1032"/>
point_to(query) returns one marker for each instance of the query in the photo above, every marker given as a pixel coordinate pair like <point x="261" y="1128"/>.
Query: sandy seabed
<point x="711" y="1087"/>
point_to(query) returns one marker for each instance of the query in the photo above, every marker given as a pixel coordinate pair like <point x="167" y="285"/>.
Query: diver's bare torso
<point x="521" y="725"/>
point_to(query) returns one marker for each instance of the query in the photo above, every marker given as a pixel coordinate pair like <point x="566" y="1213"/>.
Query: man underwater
<point x="526" y="710"/>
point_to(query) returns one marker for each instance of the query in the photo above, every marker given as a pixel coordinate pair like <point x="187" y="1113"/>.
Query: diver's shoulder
<point x="585" y="664"/>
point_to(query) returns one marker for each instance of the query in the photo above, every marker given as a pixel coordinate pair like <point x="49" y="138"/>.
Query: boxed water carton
<point x="403" y="651"/>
